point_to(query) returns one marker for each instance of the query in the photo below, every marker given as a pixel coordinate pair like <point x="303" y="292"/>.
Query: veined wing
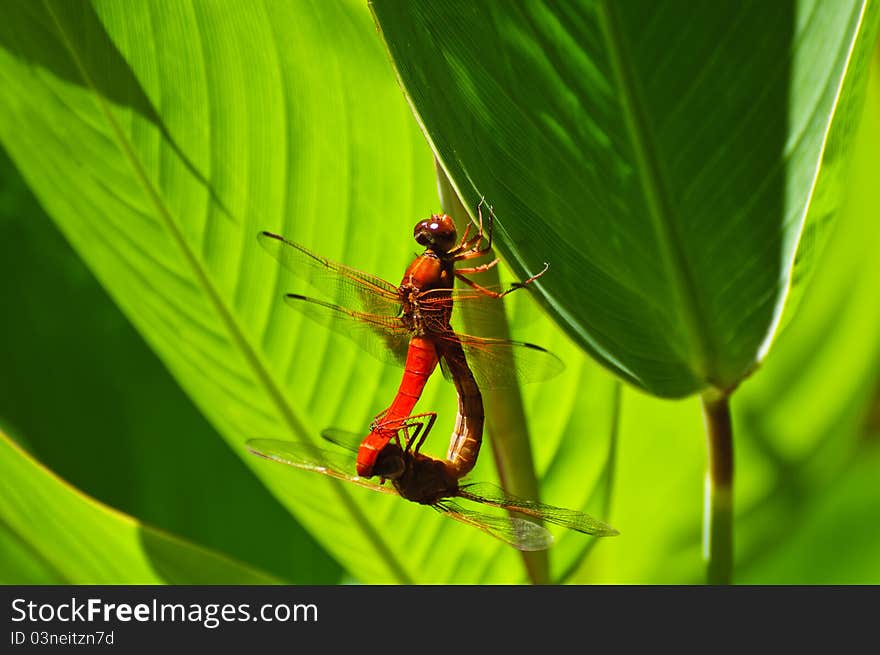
<point x="437" y="305"/>
<point x="519" y="533"/>
<point x="494" y="362"/>
<point x="490" y="494"/>
<point x="385" y="337"/>
<point x="498" y="363"/>
<point x="351" y="441"/>
<point x="305" y="456"/>
<point x="353" y="288"/>
<point x="483" y="312"/>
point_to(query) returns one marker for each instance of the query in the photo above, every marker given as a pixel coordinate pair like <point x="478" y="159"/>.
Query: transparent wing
<point x="351" y="441"/>
<point x="483" y="312"/>
<point x="490" y="494"/>
<point x="373" y="302"/>
<point x="384" y="337"/>
<point x="519" y="533"/>
<point x="499" y="363"/>
<point x="343" y="284"/>
<point x="305" y="456"/>
<point x="495" y="363"/>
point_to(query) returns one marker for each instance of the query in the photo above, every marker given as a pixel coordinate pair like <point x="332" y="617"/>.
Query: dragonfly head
<point x="436" y="233"/>
<point x="390" y="463"/>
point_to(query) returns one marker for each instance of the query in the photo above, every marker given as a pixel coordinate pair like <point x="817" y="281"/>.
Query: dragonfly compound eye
<point x="437" y="232"/>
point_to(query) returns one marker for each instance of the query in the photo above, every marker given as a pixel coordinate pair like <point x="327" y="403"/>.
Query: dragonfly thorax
<point x="425" y="294"/>
<point x="428" y="271"/>
<point x="418" y="478"/>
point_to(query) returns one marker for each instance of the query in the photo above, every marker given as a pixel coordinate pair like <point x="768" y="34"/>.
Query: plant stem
<point x="604" y="487"/>
<point x="718" y="506"/>
<point x="505" y="416"/>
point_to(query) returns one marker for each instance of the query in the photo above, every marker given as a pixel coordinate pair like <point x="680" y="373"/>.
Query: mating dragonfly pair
<point x="410" y="325"/>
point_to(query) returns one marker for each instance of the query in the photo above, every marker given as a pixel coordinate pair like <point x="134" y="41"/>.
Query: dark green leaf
<point x="50" y="533"/>
<point x="661" y="157"/>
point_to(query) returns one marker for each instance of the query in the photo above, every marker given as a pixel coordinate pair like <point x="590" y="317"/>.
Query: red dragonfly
<point x="428" y="481"/>
<point x="409" y="325"/>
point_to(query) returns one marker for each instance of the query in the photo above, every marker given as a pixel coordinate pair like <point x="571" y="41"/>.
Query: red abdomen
<point x="421" y="360"/>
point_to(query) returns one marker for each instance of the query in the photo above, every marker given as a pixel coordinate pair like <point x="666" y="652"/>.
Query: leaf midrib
<point x="251" y="356"/>
<point x="672" y="256"/>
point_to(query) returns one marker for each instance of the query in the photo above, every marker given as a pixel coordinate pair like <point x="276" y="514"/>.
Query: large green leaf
<point x="803" y="458"/>
<point x="661" y="156"/>
<point x="90" y="377"/>
<point x="50" y="533"/>
<point x="162" y="139"/>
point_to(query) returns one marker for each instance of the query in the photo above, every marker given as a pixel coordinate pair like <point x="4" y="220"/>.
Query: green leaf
<point x="832" y="185"/>
<point x="91" y="378"/>
<point x="50" y="533"/>
<point x="807" y="414"/>
<point x="660" y="156"/>
<point x="803" y="456"/>
<point x="162" y="140"/>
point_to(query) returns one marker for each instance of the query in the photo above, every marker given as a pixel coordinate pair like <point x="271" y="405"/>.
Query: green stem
<point x="604" y="487"/>
<point x="718" y="508"/>
<point x="505" y="416"/>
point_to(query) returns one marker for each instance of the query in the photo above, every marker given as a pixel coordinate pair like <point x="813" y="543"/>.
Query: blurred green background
<point x="83" y="394"/>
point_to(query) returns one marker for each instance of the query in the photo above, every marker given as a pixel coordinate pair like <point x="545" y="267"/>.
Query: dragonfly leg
<point x="432" y="416"/>
<point x="420" y="424"/>
<point x="396" y="438"/>
<point x="473" y="253"/>
<point x="411" y="426"/>
<point x="482" y="268"/>
<point x="464" y="237"/>
<point x="471" y="245"/>
<point x="491" y="221"/>
<point x="519" y="285"/>
<point x="378" y="420"/>
<point x="476" y="250"/>
<point x="417" y="427"/>
<point x="500" y="294"/>
<point x="467" y="246"/>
